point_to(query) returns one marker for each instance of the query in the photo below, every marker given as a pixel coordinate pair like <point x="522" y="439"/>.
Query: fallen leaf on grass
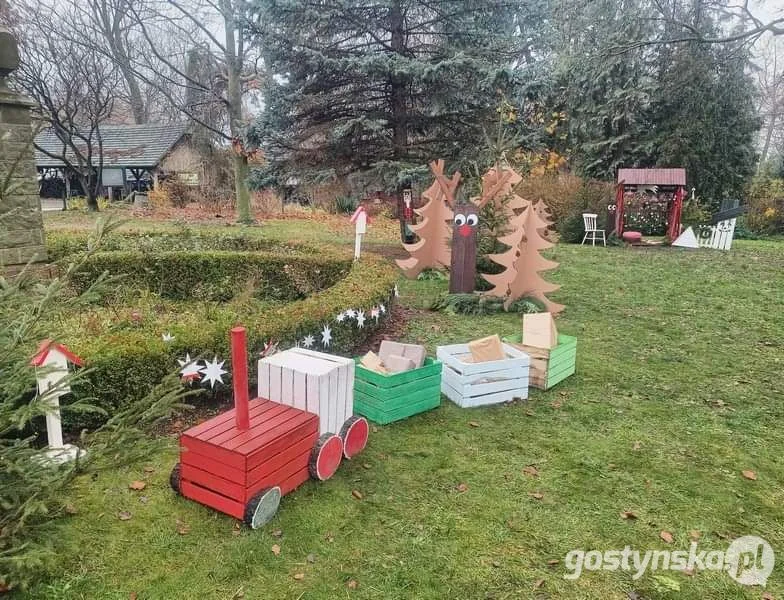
<point x="275" y="549"/>
<point x="277" y="533"/>
<point x="767" y="596"/>
<point x="496" y="564"/>
<point x="666" y="536"/>
<point x="749" y="475"/>
<point x="70" y="509"/>
<point x="133" y="596"/>
<point x="529" y="413"/>
<point x="311" y="558"/>
<point x="553" y="562"/>
<point x="329" y="537"/>
<point x="556" y="404"/>
<point x="123" y="515"/>
<point x="531" y="471"/>
<point x="694" y="535"/>
<point x="473" y="424"/>
<point x="536" y="495"/>
<point x="688" y="572"/>
<point x="637" y="446"/>
<point x="628" y="514"/>
<point x="352" y="584"/>
<point x="538" y="583"/>
<point x="149" y="469"/>
<point x="299" y="576"/>
<point x="137" y="485"/>
<point x="357" y="494"/>
<point x="183" y="528"/>
<point x="366" y="465"/>
<point x="462" y="487"/>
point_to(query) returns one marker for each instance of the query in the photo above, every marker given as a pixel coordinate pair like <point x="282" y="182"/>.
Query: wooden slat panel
<point x="213" y="482"/>
<point x="213" y="500"/>
<point x="225" y="418"/>
<point x="431" y="367"/>
<point x="275" y="377"/>
<point x="398" y="391"/>
<point x="272" y="423"/>
<point x="273" y="462"/>
<point x="228" y="428"/>
<point x="292" y="468"/>
<point x="232" y="459"/>
<point x="273" y="441"/>
<point x="449" y="355"/>
<point x="293" y="482"/>
<point x="264" y="380"/>
<point x="211" y="465"/>
<point x="393" y="402"/>
<point x="300" y="390"/>
<point x="224" y="438"/>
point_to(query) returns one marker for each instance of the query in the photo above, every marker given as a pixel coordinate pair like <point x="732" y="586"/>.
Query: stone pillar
<point x="21" y="224"/>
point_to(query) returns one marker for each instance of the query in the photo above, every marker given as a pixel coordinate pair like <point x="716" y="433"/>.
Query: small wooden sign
<point x="539" y="330"/>
<point x="488" y="348"/>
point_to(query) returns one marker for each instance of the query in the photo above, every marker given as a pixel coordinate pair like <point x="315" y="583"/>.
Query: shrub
<point x="122" y="342"/>
<point x="217" y="274"/>
<point x="766" y="206"/>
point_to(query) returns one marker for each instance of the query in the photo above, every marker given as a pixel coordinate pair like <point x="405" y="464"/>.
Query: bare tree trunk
<point x="234" y="96"/>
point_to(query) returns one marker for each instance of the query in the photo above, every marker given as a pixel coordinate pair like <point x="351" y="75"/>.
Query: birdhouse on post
<point x="51" y="367"/>
<point x="360" y="220"/>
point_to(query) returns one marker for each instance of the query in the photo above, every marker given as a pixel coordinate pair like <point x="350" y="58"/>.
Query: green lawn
<point x="679" y="389"/>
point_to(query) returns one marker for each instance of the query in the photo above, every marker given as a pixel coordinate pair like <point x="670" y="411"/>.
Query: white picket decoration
<point x="719" y="236"/>
<point x="470" y="384"/>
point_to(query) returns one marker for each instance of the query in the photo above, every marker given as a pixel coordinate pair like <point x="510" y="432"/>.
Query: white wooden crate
<point x="313" y="381"/>
<point x="475" y="384"/>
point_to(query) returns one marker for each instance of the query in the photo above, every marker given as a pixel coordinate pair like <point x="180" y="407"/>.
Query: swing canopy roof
<point x="676" y="177"/>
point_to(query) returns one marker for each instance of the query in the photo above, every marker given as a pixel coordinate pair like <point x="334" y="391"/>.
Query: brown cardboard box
<point x="398" y="364"/>
<point x="539" y="330"/>
<point x="372" y="362"/>
<point x="415" y="352"/>
<point x="486" y="349"/>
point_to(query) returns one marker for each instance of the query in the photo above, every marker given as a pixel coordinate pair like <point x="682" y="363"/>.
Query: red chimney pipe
<point x="239" y="365"/>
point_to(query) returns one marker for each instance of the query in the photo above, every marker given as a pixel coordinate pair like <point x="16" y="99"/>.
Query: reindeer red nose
<point x="464" y="230"/>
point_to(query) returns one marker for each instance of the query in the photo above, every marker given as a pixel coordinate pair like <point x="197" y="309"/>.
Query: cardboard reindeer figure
<point x="462" y="270"/>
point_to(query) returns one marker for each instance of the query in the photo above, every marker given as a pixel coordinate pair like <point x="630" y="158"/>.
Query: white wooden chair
<point x="589" y="220"/>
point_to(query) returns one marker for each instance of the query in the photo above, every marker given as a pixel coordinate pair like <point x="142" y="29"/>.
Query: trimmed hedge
<point x="218" y="275"/>
<point x="126" y="359"/>
<point x="61" y="244"/>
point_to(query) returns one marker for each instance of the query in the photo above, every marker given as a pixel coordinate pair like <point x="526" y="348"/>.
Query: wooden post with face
<point x="462" y="272"/>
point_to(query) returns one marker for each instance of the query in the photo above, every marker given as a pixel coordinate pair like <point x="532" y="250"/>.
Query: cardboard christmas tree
<point x="432" y="250"/>
<point x="544" y="214"/>
<point x="523" y="263"/>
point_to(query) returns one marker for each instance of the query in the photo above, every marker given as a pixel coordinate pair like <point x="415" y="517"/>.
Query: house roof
<point x="652" y="176"/>
<point x="49" y="345"/>
<point x="129" y="146"/>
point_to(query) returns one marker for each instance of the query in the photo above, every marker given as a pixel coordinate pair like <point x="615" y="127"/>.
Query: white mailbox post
<point x="360" y="219"/>
<point x="51" y="367"/>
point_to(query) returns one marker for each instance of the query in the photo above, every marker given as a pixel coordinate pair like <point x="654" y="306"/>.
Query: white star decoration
<point x="375" y="313"/>
<point x="360" y="319"/>
<point x="308" y="341"/>
<point x="350" y="314"/>
<point x="326" y="335"/>
<point x="167" y="337"/>
<point x="341" y="317"/>
<point x="213" y="371"/>
<point x="190" y="368"/>
<point x="382" y="308"/>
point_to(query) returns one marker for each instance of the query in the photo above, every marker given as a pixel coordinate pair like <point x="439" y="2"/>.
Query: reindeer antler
<point x="493" y="191"/>
<point x="448" y="186"/>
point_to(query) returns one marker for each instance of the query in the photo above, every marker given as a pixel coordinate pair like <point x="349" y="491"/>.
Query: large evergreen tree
<point x="379" y="88"/>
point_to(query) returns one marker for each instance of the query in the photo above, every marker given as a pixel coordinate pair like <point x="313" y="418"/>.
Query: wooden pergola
<point x="664" y="181"/>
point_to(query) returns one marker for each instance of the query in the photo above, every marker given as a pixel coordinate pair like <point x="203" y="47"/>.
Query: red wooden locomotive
<point x="242" y="461"/>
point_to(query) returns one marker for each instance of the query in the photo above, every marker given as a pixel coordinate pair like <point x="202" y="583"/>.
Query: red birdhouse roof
<point x="49" y="345"/>
<point x="355" y="216"/>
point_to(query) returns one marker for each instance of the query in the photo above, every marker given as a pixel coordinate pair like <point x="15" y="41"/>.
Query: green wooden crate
<point x="548" y="367"/>
<point x="387" y="398"/>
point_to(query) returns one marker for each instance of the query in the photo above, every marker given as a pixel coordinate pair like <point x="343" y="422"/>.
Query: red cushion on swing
<point x="633" y="237"/>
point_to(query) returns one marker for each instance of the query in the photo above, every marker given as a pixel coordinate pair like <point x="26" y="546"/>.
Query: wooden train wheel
<point x="174" y="478"/>
<point x="354" y="434"/>
<point x="262" y="507"/>
<point x="325" y="458"/>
